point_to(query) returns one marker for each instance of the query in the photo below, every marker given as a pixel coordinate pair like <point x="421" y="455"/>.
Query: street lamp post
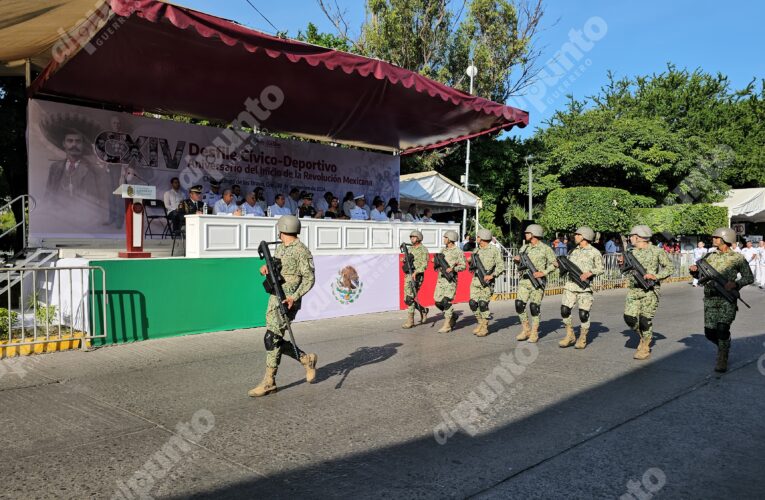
<point x="471" y="72"/>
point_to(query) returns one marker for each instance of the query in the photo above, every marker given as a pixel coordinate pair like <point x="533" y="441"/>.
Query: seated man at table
<point x="280" y="207"/>
<point x="427" y="216"/>
<point x="192" y="205"/>
<point x="306" y="208"/>
<point x="378" y="212"/>
<point x="251" y="207"/>
<point x="227" y="204"/>
<point x="358" y="212"/>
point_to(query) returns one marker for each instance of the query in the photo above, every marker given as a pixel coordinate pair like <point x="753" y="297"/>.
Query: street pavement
<point x="399" y="413"/>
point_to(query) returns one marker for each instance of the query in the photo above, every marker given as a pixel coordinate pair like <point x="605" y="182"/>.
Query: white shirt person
<point x="226" y="205"/>
<point x="279" y="207"/>
<point x="378" y="213"/>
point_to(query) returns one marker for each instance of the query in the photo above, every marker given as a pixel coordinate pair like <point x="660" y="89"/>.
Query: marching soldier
<point x="590" y="262"/>
<point x="718" y="312"/>
<point x="641" y="305"/>
<point x="480" y="295"/>
<point x="297" y="270"/>
<point x="420" y="254"/>
<point x="445" y="289"/>
<point x="543" y="258"/>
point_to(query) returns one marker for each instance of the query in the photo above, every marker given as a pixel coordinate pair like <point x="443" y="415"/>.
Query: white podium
<point x="134" y="196"/>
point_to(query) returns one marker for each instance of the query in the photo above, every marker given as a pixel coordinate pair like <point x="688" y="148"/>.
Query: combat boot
<point x="424" y="314"/>
<point x="570" y="337"/>
<point x="723" y="348"/>
<point x="483" y="327"/>
<point x="453" y="321"/>
<point x="534" y="336"/>
<point x="446" y="327"/>
<point x="524" y="331"/>
<point x="267" y="386"/>
<point x="477" y="325"/>
<point x="409" y="321"/>
<point x="581" y="342"/>
<point x="643" y="351"/>
<point x="309" y="363"/>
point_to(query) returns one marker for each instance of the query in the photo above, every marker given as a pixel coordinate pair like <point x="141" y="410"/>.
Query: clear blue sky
<point x="640" y="38"/>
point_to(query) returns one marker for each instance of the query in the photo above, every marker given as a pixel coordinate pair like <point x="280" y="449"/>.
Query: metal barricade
<point x="48" y="304"/>
<point x="610" y="279"/>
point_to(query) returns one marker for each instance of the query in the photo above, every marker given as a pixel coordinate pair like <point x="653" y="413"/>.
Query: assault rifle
<point x="440" y="264"/>
<point x="408" y="267"/>
<point x="530" y="268"/>
<point x="478" y="269"/>
<point x="706" y="273"/>
<point x="632" y="266"/>
<point x="273" y="286"/>
<point x="573" y="271"/>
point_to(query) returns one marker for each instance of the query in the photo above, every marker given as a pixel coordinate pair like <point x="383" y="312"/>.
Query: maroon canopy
<point x="156" y="57"/>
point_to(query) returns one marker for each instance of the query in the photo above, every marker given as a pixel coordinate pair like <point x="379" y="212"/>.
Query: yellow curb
<point x="54" y="344"/>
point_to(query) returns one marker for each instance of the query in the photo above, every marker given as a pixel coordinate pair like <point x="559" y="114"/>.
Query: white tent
<point x="745" y="205"/>
<point x="433" y="190"/>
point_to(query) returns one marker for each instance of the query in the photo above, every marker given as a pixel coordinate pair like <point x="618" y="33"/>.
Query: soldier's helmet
<point x="535" y="230"/>
<point x="483" y="234"/>
<point x="586" y="233"/>
<point x="727" y="234"/>
<point x="452" y="236"/>
<point x="641" y="230"/>
<point x="417" y="234"/>
<point x="288" y="224"/>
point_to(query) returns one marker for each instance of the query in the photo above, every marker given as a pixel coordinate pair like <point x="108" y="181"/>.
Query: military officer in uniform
<point x="420" y="254"/>
<point x="543" y="258"/>
<point x="212" y="196"/>
<point x="445" y="289"/>
<point x="298" y="272"/>
<point x="589" y="260"/>
<point x="191" y="205"/>
<point x="641" y="305"/>
<point x="480" y="294"/>
<point x="718" y="312"/>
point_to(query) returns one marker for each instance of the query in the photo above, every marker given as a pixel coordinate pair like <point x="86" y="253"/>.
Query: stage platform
<point x="94" y="248"/>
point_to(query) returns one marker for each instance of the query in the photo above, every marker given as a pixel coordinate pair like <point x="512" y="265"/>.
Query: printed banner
<point x="78" y="156"/>
<point x="352" y="284"/>
<point x="428" y="289"/>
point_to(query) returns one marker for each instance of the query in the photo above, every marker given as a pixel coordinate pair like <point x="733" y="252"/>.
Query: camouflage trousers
<point x="444" y="288"/>
<point x="276" y="324"/>
<point x="529" y="295"/>
<point x="582" y="299"/>
<point x="718" y="310"/>
<point x="409" y="291"/>
<point x="642" y="303"/>
<point x="479" y="293"/>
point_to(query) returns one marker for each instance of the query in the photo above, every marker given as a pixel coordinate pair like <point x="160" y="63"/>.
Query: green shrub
<point x="604" y="209"/>
<point x="700" y="218"/>
<point x="44" y="314"/>
<point x="4" y="330"/>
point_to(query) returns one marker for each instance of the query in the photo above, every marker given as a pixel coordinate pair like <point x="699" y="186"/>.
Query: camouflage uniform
<point x="640" y="306"/>
<point x="718" y="312"/>
<point x="543" y="258"/>
<point x="588" y="260"/>
<point x="420" y="254"/>
<point x="492" y="261"/>
<point x="445" y="288"/>
<point x="298" y="274"/>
